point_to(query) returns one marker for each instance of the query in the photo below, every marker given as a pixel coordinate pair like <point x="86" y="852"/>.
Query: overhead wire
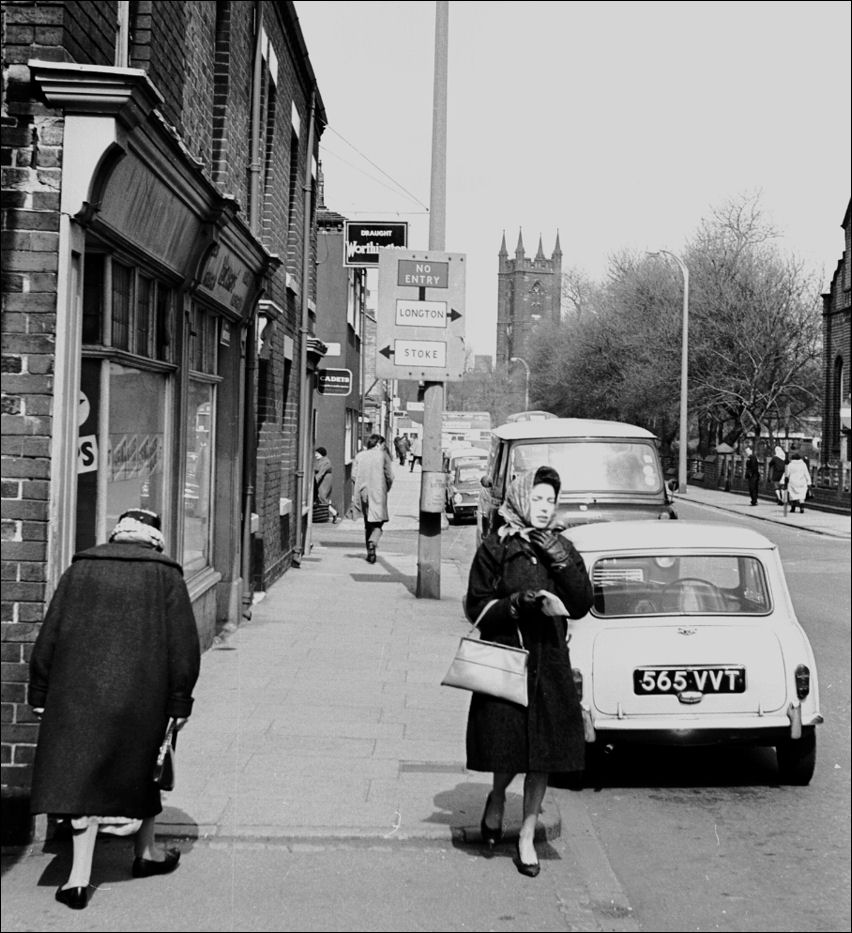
<point x="377" y="167"/>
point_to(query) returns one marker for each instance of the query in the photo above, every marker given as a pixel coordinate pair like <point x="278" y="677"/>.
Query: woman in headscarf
<point x="116" y="658"/>
<point x="522" y="566"/>
<point x="777" y="466"/>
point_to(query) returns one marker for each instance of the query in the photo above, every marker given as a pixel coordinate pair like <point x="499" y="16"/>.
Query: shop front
<point x="163" y="278"/>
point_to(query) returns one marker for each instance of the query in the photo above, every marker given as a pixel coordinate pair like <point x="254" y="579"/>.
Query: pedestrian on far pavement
<point x="372" y="476"/>
<point x="798" y="478"/>
<point x="536" y="577"/>
<point x="752" y="474"/>
<point x="777" y="466"/>
<point x="416" y="453"/>
<point x="116" y="659"/>
<point x="323" y="482"/>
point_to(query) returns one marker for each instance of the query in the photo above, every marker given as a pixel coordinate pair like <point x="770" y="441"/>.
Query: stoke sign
<point x="420" y="315"/>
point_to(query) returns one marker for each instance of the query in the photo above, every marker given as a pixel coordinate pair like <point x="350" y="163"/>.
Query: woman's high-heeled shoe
<point x="75" y="898"/>
<point x="530" y="869"/>
<point x="491" y="837"/>
<point x="145" y="868"/>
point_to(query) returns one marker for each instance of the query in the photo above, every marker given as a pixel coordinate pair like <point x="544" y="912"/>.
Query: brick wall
<point x="30" y="155"/>
<point x="837" y="343"/>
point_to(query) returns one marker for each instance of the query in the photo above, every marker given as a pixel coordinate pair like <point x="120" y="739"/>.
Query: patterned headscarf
<point x="516" y="507"/>
<point x="139" y="526"/>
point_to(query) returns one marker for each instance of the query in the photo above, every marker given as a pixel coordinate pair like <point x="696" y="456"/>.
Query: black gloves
<point x="550" y="546"/>
<point x="523" y="601"/>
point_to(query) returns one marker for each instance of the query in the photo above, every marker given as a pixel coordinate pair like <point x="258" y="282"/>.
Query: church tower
<point x="529" y="291"/>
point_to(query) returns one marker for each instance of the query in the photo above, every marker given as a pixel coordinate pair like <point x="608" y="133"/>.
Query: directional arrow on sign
<point x="454" y="315"/>
<point x="386" y="351"/>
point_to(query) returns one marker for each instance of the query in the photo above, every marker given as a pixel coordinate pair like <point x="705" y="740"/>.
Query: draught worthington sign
<point x="364" y="240"/>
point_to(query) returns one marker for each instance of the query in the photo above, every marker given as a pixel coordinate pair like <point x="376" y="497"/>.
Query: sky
<point x="621" y="125"/>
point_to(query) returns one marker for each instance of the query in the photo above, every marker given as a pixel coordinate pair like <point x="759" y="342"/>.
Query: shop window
<point x="200" y="440"/>
<point x="122" y="300"/>
<point x="93" y="298"/>
<point x="125" y="399"/>
<point x="197" y="530"/>
<point x="144" y="316"/>
<point x="120" y="464"/>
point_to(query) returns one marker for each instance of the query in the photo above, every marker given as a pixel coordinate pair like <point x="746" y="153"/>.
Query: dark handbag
<point x="164" y="767"/>
<point x="810" y="493"/>
<point x="489" y="667"/>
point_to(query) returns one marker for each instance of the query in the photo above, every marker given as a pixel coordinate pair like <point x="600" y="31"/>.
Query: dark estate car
<point x="609" y="470"/>
<point x="463" y="488"/>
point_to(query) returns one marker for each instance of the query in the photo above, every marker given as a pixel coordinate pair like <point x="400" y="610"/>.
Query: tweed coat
<point x="547" y="735"/>
<point x="116" y="656"/>
<point x="373" y="477"/>
<point x="323" y="480"/>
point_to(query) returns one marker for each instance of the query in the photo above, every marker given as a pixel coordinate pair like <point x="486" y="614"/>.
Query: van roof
<point x="568" y="427"/>
<point x="653" y="534"/>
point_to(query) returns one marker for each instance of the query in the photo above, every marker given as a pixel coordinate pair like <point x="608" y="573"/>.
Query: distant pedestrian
<point x="416" y="453"/>
<point x="401" y="445"/>
<point x="323" y="482"/>
<point x="116" y="658"/>
<point x="777" y="466"/>
<point x="752" y="474"/>
<point x="536" y="576"/>
<point x="372" y="477"/>
<point x="798" y="479"/>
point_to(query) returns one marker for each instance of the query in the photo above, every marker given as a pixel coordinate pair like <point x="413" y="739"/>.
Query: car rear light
<point x="803" y="681"/>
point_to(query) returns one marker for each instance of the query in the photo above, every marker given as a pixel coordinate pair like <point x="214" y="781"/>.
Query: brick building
<point x="836" y="310"/>
<point x="158" y="321"/>
<point x="341" y="300"/>
<point x="529" y="290"/>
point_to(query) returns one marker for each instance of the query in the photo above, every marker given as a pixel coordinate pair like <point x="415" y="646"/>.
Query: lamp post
<point x="517" y="359"/>
<point x="684" y="370"/>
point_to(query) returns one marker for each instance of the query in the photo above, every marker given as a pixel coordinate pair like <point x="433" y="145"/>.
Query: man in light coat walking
<point x="372" y="476"/>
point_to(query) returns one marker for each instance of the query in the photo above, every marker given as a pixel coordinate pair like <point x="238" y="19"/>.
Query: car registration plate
<point x="656" y="680"/>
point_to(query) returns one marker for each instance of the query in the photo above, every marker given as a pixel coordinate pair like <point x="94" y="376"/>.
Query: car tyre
<point x="797" y="759"/>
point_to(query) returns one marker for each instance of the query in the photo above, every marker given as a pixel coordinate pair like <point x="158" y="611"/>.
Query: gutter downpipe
<point x="303" y="537"/>
<point x="250" y="452"/>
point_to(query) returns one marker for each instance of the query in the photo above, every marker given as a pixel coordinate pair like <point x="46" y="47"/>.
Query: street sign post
<point x="420" y="315"/>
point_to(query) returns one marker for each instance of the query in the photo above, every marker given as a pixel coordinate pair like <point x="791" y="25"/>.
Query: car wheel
<point x="451" y="517"/>
<point x="797" y="759"/>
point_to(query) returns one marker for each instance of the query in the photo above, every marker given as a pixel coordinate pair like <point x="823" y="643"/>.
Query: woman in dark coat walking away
<point x="525" y="557"/>
<point x="117" y="656"/>
<point x="323" y="482"/>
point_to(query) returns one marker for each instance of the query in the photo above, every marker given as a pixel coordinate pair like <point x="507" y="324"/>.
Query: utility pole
<point x="429" y="539"/>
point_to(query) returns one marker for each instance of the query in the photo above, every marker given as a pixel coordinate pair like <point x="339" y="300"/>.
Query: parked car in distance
<point x="536" y="415"/>
<point x="693" y="640"/>
<point x="462" y="493"/>
<point x="609" y="470"/>
<point x="462" y="453"/>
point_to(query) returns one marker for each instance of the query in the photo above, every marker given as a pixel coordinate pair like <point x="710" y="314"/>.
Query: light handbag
<point x="489" y="667"/>
<point x="164" y="767"/>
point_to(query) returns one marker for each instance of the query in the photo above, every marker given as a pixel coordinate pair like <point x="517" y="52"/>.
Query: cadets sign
<point x="420" y="316"/>
<point x="334" y="381"/>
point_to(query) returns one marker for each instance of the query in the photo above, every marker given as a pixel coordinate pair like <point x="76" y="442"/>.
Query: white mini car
<point x="693" y="640"/>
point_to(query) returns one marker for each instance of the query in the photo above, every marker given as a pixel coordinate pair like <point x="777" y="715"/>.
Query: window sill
<point x="202" y="581"/>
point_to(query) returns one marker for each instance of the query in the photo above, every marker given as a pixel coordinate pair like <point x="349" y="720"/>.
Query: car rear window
<point x="592" y="466"/>
<point x="683" y="584"/>
<point x="469" y="473"/>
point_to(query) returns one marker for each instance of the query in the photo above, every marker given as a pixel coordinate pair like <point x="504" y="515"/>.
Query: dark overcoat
<point x="116" y="656"/>
<point x="323" y="480"/>
<point x="547" y="735"/>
